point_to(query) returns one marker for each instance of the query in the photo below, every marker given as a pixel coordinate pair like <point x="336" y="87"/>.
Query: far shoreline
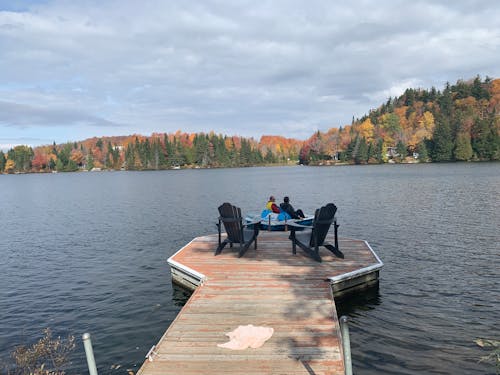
<point x="313" y="165"/>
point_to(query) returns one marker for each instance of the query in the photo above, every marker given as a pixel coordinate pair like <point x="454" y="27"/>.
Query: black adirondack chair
<point x="310" y="238"/>
<point x="237" y="231"/>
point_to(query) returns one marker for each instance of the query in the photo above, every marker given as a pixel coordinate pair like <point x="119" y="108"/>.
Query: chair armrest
<point x="253" y="222"/>
<point x="294" y="224"/>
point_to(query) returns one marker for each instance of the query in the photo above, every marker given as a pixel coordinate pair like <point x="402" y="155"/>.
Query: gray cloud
<point x="22" y="116"/>
<point x="247" y="68"/>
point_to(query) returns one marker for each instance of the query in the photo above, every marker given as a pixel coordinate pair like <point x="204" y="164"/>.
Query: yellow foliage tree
<point x="365" y="129"/>
<point x="9" y="166"/>
<point x="428" y="123"/>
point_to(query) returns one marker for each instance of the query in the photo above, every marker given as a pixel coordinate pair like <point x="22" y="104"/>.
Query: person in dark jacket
<point x="288" y="208"/>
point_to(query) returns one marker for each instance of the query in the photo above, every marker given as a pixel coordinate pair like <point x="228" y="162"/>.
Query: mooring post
<point x="346" y="344"/>
<point x="89" y="353"/>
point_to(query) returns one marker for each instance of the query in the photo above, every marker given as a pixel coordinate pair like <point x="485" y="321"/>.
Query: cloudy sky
<point x="70" y="70"/>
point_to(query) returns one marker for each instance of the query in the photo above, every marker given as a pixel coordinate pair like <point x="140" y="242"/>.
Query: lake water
<point x="86" y="252"/>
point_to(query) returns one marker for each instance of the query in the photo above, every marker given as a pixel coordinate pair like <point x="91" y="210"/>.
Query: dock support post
<point x="89" y="353"/>
<point x="346" y="344"/>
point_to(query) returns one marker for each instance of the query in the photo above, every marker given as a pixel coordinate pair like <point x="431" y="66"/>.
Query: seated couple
<point x="285" y="208"/>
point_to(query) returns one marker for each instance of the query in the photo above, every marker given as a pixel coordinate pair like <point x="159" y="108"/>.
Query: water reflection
<point x="364" y="300"/>
<point x="180" y="295"/>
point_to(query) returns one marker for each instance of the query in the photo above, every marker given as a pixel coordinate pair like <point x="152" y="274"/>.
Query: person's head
<point x="271" y="198"/>
<point x="286" y="199"/>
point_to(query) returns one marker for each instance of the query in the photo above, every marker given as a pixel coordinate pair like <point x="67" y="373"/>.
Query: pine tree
<point x="423" y="154"/>
<point x="401" y="150"/>
<point x="90" y="160"/>
<point x="442" y="144"/>
<point x="362" y="152"/>
<point x="2" y="161"/>
<point x="481" y="138"/>
<point x="379" y="151"/>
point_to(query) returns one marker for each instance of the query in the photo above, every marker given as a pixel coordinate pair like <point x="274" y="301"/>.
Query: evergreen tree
<point x="348" y="154"/>
<point x="159" y="155"/>
<point x="221" y="153"/>
<point x="481" y="138"/>
<point x="2" y="161"/>
<point x="90" y="160"/>
<point x="423" y="154"/>
<point x="59" y="165"/>
<point x="442" y="144"/>
<point x="401" y="150"/>
<point x="478" y="90"/>
<point x="169" y="149"/>
<point x="130" y="153"/>
<point x="379" y="151"/>
<point x="52" y="164"/>
<point x="269" y="158"/>
<point x="463" y="147"/>
<point x="201" y="151"/>
<point x="54" y="149"/>
<point x="245" y="152"/>
<point x="110" y="159"/>
<point x="409" y="97"/>
<point x="64" y="156"/>
<point x="362" y="153"/>
<point x="446" y="102"/>
<point x="71" y="167"/>
<point x="491" y="143"/>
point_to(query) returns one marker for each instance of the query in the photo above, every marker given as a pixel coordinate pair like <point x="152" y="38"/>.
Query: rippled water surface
<point x="87" y="252"/>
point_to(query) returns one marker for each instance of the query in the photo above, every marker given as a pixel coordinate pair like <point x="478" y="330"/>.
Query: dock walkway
<point x="267" y="287"/>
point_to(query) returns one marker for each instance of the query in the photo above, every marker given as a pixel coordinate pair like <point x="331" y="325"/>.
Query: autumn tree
<point x="40" y="159"/>
<point x="77" y="157"/>
<point x="10" y="166"/>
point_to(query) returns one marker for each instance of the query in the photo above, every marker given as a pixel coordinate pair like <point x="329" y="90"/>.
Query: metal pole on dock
<point x="346" y="344"/>
<point x="89" y="353"/>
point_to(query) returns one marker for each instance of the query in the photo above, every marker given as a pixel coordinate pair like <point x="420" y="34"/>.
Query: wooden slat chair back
<point x="236" y="231"/>
<point x="314" y="236"/>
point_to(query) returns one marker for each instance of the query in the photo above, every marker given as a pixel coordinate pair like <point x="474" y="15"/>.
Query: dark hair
<point x="286" y="199"/>
<point x="271" y="198"/>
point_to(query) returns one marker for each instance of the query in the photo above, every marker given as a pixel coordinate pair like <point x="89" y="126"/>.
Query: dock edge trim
<point x="362" y="271"/>
<point x="183" y="268"/>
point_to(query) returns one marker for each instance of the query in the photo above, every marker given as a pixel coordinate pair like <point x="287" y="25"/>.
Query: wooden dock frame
<point x="268" y="286"/>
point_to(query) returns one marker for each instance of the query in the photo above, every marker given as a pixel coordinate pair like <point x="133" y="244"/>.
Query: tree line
<point x="159" y="151"/>
<point x="459" y="123"/>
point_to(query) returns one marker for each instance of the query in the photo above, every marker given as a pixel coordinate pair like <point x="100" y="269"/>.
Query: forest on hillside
<point x="459" y="123"/>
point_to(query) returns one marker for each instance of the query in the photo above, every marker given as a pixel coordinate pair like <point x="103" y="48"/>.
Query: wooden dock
<point x="267" y="287"/>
